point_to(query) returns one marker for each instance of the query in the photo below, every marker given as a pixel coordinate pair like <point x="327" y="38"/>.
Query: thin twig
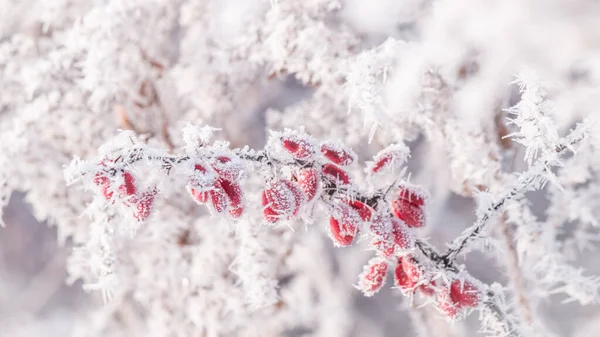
<point x="516" y="192"/>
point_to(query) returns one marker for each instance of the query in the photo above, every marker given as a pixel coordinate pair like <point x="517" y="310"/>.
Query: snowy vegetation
<point x="282" y="168"/>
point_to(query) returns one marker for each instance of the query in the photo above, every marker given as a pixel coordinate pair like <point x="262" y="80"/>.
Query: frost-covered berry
<point x="200" y="197"/>
<point x="127" y="188"/>
<point x="300" y="148"/>
<point x="409" y="206"/>
<point x="336" y="174"/>
<point x="446" y="306"/>
<point x="392" y="157"/>
<point x="364" y="211"/>
<point x="104" y="183"/>
<point x="457" y="296"/>
<point x="410" y="277"/>
<point x="344" y="225"/>
<point x="200" y="183"/>
<point x="202" y="176"/>
<point x="308" y="180"/>
<point x="299" y="195"/>
<point x="373" y="276"/>
<point x="338" y="154"/>
<point x="218" y="198"/>
<point x="412" y="194"/>
<point x="412" y="215"/>
<point x="465" y="293"/>
<point x="144" y="205"/>
<point x="407" y="275"/>
<point x="280" y="200"/>
<point x="235" y="195"/>
<point x="227" y="167"/>
<point x="390" y="236"/>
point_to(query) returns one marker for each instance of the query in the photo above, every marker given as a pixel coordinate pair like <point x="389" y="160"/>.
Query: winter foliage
<point x="317" y="167"/>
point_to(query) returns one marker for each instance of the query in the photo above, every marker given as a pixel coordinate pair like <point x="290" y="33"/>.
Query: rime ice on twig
<point x="533" y="179"/>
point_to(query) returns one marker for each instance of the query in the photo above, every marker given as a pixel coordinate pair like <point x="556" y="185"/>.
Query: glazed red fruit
<point x="408" y="207"/>
<point x="465" y="294"/>
<point x="344" y="226"/>
<point x="336" y="154"/>
<point x="128" y="187"/>
<point x="336" y="174"/>
<point x="227" y="168"/>
<point x="390" y="236"/>
<point x="373" y="276"/>
<point x="412" y="215"/>
<point x="342" y="233"/>
<point x="200" y="197"/>
<point x="299" y="195"/>
<point x="411" y="195"/>
<point x="218" y="198"/>
<point x="381" y="163"/>
<point x="407" y="274"/>
<point x="428" y="289"/>
<point x="364" y="211"/>
<point x="279" y="201"/>
<point x="300" y="148"/>
<point x="308" y="180"/>
<point x="235" y="195"/>
<point x="446" y="305"/>
<point x="143" y="206"/>
<point x="392" y="156"/>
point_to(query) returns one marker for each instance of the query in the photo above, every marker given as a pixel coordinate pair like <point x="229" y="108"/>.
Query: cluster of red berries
<point x="411" y="278"/>
<point x="141" y="203"/>
<point x="283" y="198"/>
<point x="218" y="182"/>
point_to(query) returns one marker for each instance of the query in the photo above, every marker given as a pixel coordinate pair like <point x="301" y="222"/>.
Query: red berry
<point x="279" y="201"/>
<point x="335" y="173"/>
<point x="128" y="186"/>
<point x="342" y="234"/>
<point x="465" y="294"/>
<point x="381" y="163"/>
<point x="390" y="236"/>
<point x="337" y="154"/>
<point x="300" y="148"/>
<point x="227" y="168"/>
<point x="407" y="274"/>
<point x="299" y="195"/>
<point x="373" y="276"/>
<point x="200" y="197"/>
<point x="344" y="225"/>
<point x="144" y="205"/>
<point x="199" y="183"/>
<point x="445" y="304"/>
<point x="428" y="289"/>
<point x="412" y="195"/>
<point x="364" y="211"/>
<point x="235" y="195"/>
<point x="104" y="183"/>
<point x="308" y="179"/>
<point x="411" y="214"/>
<point x="218" y="198"/>
<point x="393" y="156"/>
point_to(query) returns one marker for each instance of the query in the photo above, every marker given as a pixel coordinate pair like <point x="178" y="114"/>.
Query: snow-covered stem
<point x="534" y="178"/>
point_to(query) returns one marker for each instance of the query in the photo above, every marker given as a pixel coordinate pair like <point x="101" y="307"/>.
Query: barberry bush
<point x="316" y="167"/>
